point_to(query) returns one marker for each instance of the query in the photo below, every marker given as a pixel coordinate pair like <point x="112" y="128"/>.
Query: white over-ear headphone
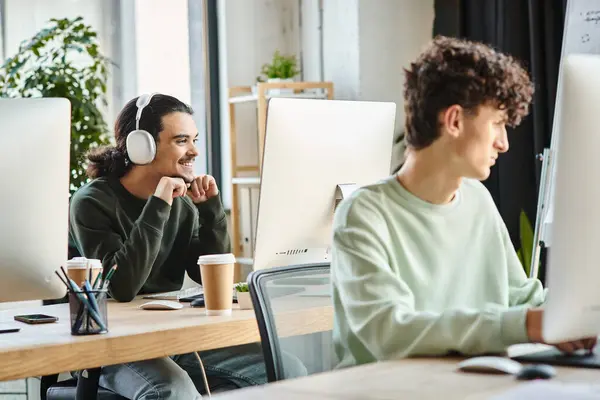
<point x="141" y="146"/>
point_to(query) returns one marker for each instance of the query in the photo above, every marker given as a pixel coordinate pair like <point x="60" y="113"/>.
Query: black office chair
<point x="78" y="389"/>
<point x="277" y="291"/>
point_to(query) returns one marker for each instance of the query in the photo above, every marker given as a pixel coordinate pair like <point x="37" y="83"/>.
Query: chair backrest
<point x="283" y="294"/>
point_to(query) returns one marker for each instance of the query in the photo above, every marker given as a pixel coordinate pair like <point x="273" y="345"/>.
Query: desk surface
<point x="136" y="334"/>
<point x="422" y="378"/>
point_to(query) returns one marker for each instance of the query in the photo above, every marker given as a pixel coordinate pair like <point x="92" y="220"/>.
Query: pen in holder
<point x="87" y="304"/>
<point x="88" y="311"/>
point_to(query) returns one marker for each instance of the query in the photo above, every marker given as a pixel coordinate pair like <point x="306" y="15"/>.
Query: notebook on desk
<point x="556" y="357"/>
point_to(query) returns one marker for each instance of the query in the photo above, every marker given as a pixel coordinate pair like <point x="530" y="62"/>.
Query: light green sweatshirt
<point x="413" y="278"/>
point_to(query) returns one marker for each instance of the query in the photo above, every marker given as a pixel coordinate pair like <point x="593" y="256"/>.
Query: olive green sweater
<point x="152" y="244"/>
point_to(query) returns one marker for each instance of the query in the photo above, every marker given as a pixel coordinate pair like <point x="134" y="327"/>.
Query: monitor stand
<point x="342" y="191"/>
<point x="558" y="358"/>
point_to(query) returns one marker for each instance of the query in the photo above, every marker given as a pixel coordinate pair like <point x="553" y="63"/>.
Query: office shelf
<point x="317" y="94"/>
<point x="244" y="94"/>
<point x="253" y="181"/>
<point x="244" y="260"/>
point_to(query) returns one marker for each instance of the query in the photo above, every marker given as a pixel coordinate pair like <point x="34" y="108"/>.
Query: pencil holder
<point x="88" y="312"/>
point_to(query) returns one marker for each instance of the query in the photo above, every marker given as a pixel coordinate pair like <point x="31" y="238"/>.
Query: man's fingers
<point x="194" y="188"/>
<point x="589" y="343"/>
<point x="206" y="182"/>
<point x="579" y="344"/>
<point x="179" y="187"/>
<point x="566" y="347"/>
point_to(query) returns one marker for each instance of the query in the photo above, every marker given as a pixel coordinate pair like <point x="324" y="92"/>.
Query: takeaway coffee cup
<point x="216" y="271"/>
<point x="79" y="269"/>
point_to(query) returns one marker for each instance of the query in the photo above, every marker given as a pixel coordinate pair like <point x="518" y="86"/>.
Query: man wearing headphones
<point x="146" y="212"/>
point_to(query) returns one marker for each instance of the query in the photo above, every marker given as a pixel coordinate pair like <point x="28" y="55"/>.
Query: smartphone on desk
<point x="36" y="319"/>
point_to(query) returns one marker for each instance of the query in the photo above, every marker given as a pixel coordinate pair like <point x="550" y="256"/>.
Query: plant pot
<point x="280" y="92"/>
<point x="244" y="300"/>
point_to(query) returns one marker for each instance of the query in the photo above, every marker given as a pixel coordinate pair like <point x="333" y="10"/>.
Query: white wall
<point x="311" y="45"/>
<point x="341" y="47"/>
<point x="249" y="33"/>
<point x="162" y="47"/>
<point x="392" y="34"/>
<point x="368" y="42"/>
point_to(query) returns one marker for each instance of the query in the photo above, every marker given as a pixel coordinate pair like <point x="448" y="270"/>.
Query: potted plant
<point x="243" y="296"/>
<point x="63" y="60"/>
<point x="283" y="68"/>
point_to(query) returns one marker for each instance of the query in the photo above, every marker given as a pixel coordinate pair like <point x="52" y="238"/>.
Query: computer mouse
<point x="161" y="305"/>
<point x="199" y="302"/>
<point x="490" y="364"/>
<point x="536" y="371"/>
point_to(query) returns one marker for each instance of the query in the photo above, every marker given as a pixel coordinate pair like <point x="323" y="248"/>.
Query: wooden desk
<point x="424" y="378"/>
<point x="136" y="334"/>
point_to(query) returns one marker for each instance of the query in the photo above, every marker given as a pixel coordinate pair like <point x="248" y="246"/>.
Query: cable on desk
<point x="203" y="373"/>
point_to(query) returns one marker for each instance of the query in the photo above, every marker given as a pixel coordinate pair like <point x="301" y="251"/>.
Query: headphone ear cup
<point x="141" y="147"/>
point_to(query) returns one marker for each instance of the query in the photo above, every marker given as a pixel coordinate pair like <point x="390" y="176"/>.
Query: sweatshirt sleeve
<point x="134" y="257"/>
<point x="378" y="305"/>
<point x="522" y="289"/>
<point x="211" y="236"/>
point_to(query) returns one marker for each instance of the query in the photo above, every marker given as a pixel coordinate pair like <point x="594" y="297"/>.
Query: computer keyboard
<point x="556" y="357"/>
<point x="179" y="295"/>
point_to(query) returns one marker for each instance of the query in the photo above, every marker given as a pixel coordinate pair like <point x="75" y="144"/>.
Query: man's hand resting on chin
<point x="202" y="188"/>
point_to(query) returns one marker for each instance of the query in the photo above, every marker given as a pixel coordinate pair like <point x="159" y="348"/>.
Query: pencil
<point x="88" y="291"/>
<point x="108" y="276"/>
<point x="61" y="278"/>
<point x="64" y="273"/>
<point x="97" y="280"/>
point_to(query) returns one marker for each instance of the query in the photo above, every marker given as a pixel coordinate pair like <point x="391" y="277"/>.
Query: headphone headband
<point x="141" y="103"/>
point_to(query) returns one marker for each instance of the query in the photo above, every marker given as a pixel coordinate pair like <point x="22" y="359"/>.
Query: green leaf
<point x="526" y="236"/>
<point x="241" y="287"/>
<point x="281" y="66"/>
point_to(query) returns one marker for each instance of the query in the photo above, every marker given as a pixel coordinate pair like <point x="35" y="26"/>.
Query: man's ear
<point x="451" y="120"/>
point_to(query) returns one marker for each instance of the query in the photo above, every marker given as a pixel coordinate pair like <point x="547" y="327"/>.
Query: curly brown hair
<point x="457" y="71"/>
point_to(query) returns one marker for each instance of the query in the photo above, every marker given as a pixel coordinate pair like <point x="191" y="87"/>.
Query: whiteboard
<point x="581" y="35"/>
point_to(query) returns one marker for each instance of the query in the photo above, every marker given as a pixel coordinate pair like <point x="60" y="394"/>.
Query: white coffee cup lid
<point x="208" y="259"/>
<point x="77" y="262"/>
<point x="82" y="262"/>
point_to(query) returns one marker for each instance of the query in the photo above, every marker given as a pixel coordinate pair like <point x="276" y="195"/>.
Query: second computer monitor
<point x="311" y="147"/>
<point x="572" y="309"/>
<point x="35" y="137"/>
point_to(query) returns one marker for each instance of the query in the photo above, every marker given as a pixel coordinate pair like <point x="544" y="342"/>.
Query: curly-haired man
<point x="422" y="261"/>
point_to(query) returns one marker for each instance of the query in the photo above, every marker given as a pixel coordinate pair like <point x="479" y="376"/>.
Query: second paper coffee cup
<point x="80" y="269"/>
<point x="216" y="271"/>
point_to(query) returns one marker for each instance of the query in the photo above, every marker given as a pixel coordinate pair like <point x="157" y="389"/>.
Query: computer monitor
<point x="312" y="146"/>
<point x="34" y="179"/>
<point x="572" y="309"/>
